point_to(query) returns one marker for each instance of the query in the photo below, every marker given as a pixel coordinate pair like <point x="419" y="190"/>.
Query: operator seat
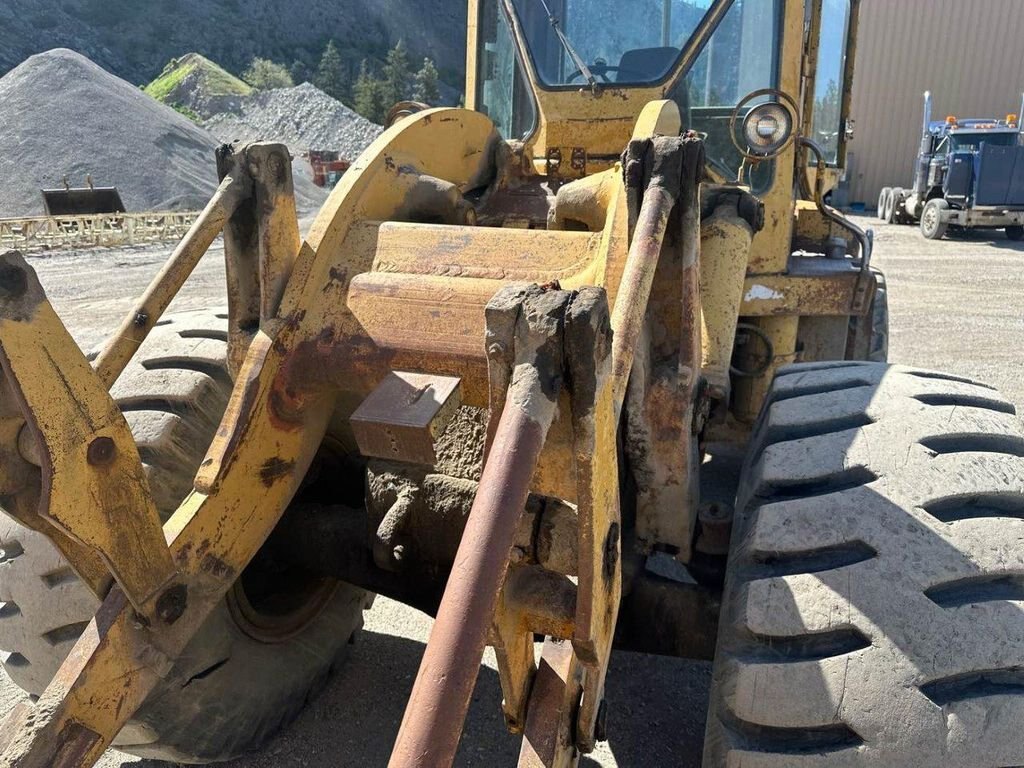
<point x="646" y="64"/>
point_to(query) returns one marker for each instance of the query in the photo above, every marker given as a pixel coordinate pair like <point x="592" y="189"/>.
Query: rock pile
<point x="64" y="116"/>
<point x="303" y="117"/>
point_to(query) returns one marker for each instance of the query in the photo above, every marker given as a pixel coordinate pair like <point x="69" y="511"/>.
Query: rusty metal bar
<point x="434" y="716"/>
<point x="635" y="288"/>
<point x="665" y="160"/>
<point x="143" y="317"/>
<point x="437" y="707"/>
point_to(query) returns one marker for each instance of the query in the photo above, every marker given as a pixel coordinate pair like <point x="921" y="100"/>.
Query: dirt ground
<point x="957" y="304"/>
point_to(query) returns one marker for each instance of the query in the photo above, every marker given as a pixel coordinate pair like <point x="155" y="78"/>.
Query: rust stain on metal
<point x="216" y="567"/>
<point x="75" y="742"/>
<point x="274" y="469"/>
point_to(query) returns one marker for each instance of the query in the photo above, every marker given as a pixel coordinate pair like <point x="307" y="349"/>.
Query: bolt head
<point x="101" y="452"/>
<point x="171" y="604"/>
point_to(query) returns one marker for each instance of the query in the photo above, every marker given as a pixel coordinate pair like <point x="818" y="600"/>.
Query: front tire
<point x="932" y="225"/>
<point x="872" y="614"/>
<point x="239" y="679"/>
<point x="1015" y="232"/>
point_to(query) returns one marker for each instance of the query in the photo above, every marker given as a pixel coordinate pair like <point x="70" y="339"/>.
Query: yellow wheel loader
<point x="589" y="364"/>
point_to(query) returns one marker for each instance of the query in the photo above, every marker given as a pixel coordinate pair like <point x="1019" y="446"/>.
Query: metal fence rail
<point x="107" y="229"/>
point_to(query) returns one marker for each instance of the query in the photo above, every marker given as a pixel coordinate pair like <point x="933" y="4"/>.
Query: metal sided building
<point x="968" y="53"/>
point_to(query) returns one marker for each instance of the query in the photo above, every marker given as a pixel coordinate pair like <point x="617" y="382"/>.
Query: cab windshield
<point x="972" y="142"/>
<point x="633" y="43"/>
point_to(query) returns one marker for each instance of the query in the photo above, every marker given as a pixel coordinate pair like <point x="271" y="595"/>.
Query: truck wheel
<point x="1015" y="232"/>
<point x="883" y="198"/>
<point x="871" y="615"/>
<point x="256" y="660"/>
<point x="932" y="225"/>
<point x="895" y="211"/>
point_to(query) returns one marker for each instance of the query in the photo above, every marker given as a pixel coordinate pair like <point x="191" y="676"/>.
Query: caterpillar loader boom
<point x="506" y="378"/>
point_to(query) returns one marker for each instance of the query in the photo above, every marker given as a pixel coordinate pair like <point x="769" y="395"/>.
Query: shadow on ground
<point x="656" y="714"/>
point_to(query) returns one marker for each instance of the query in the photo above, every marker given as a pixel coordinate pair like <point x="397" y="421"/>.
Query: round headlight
<point x="767" y="128"/>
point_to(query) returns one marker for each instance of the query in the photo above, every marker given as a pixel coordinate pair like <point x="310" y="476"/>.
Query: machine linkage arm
<point x="92" y="490"/>
<point x="549" y="351"/>
<point x="92" y="498"/>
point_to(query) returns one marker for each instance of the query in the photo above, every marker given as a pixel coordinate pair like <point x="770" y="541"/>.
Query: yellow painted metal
<point x="268" y="437"/>
<point x="469" y="252"/>
<point x="91" y="472"/>
<point x="472" y="54"/>
<point x="725" y="250"/>
<point x="599" y="576"/>
<point x="799" y="295"/>
<point x="750" y="392"/>
<point x="365" y="295"/>
<point x="600" y="123"/>
<point x="771" y="248"/>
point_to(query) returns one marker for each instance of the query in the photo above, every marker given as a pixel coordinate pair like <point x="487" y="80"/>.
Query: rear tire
<point x="932" y="226"/>
<point x="883" y="198"/>
<point x="1015" y="233"/>
<point x="872" y="614"/>
<point x="895" y="211"/>
<point x="229" y="691"/>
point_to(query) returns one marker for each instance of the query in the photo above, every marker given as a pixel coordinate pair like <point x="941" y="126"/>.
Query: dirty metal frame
<point x="163" y="592"/>
<point x="315" y="327"/>
<point x="76" y="434"/>
<point x="544" y="341"/>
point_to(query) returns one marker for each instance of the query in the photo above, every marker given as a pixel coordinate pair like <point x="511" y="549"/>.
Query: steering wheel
<point x="599" y="68"/>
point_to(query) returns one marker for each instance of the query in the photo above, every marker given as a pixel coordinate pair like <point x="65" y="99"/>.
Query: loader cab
<point x="568" y="78"/>
<point x="524" y="70"/>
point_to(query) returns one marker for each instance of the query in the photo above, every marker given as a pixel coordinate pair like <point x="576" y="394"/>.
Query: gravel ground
<point x="955" y="304"/>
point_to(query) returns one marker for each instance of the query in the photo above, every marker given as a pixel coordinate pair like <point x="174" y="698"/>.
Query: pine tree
<point x="299" y="72"/>
<point x="264" y="74"/>
<point x="330" y="73"/>
<point x="426" y="89"/>
<point x="366" y="95"/>
<point x="394" y="85"/>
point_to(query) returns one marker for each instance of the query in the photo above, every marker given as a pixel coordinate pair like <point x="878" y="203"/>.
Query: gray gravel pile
<point x="303" y="117"/>
<point x="62" y="115"/>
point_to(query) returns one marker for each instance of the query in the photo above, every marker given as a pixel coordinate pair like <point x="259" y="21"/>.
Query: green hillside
<point x="215" y="80"/>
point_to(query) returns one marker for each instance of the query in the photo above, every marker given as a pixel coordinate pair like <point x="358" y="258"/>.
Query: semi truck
<point x="969" y="174"/>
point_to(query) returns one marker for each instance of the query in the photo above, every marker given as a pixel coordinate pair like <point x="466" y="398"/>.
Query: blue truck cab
<point x="969" y="173"/>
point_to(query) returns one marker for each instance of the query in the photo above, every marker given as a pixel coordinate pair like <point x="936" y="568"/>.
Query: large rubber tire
<point x="1015" y="232"/>
<point x="229" y="692"/>
<point x="932" y="227"/>
<point x="871" y="616"/>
